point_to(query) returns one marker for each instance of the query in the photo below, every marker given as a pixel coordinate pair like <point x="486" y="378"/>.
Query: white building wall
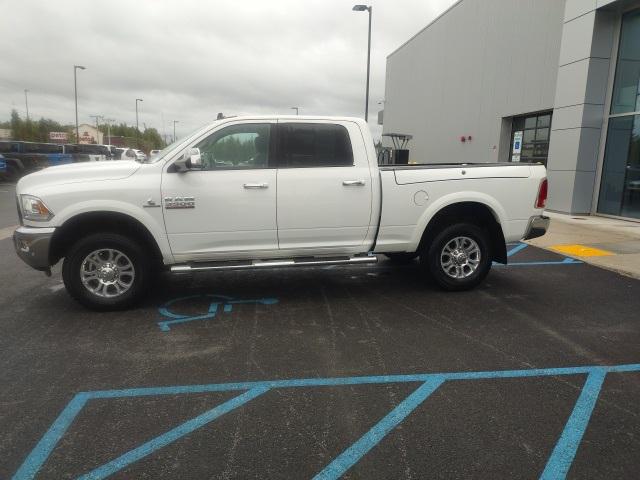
<point x="481" y="61"/>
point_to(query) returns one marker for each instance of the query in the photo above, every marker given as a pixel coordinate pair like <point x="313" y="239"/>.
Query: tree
<point x="34" y="131"/>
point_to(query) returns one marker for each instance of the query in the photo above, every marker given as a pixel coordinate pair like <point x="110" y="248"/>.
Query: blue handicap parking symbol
<point x="216" y="303"/>
<point x="556" y="467"/>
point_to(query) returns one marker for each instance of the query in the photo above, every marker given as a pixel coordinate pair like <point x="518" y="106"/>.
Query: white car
<point x="130" y="154"/>
<point x="259" y="192"/>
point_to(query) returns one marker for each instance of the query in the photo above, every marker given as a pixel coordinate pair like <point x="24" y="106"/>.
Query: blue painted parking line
<point x="355" y="452"/>
<point x="215" y="302"/>
<point x="556" y="468"/>
<point x="516" y="249"/>
<point x="565" y="450"/>
<point x="172" y="435"/>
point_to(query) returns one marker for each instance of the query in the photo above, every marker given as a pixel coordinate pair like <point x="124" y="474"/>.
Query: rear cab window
<point x="304" y="145"/>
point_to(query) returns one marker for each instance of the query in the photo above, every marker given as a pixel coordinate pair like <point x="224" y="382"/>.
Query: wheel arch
<point x="473" y="211"/>
<point x="87" y="223"/>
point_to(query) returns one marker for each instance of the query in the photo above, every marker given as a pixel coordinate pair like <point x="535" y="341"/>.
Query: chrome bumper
<point x="537" y="227"/>
<point x="32" y="246"/>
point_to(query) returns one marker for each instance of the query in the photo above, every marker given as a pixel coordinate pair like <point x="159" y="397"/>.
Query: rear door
<point x="324" y="187"/>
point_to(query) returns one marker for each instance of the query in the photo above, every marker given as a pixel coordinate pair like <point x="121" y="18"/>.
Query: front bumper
<point x="537" y="227"/>
<point x="32" y="246"/>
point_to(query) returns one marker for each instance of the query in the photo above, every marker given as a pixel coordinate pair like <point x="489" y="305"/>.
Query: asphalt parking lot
<point x="360" y="372"/>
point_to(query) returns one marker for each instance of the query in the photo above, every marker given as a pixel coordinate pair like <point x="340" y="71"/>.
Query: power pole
<point x="26" y="102"/>
<point x="75" y="90"/>
<point x="97" y="117"/>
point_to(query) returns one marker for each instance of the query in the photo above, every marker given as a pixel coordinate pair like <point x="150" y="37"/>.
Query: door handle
<point x="353" y="183"/>
<point x="255" y="185"/>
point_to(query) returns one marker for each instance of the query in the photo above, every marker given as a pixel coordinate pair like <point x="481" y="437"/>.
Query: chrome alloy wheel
<point x="107" y="273"/>
<point x="460" y="257"/>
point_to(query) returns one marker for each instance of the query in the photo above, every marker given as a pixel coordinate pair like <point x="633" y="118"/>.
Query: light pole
<point x="26" y="102"/>
<point x="75" y="88"/>
<point x="174" y="129"/>
<point x="362" y="8"/>
<point x="97" y="117"/>
<point x="108" y="122"/>
<point x="137" y="130"/>
<point x="296" y="109"/>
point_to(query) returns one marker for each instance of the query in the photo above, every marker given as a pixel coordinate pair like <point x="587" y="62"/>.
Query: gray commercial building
<point x="549" y="81"/>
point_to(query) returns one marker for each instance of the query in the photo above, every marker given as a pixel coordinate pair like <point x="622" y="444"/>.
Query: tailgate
<point x="409" y="175"/>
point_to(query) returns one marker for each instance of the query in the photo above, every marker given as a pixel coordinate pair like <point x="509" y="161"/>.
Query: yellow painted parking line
<point x="581" y="250"/>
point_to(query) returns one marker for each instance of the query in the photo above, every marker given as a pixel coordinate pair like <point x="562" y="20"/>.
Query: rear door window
<point x="303" y="145"/>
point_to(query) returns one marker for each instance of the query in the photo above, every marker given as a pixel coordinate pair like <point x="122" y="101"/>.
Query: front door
<point x="324" y="190"/>
<point x="233" y="212"/>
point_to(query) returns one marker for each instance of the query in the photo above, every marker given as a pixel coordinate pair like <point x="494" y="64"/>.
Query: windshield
<point x="181" y="142"/>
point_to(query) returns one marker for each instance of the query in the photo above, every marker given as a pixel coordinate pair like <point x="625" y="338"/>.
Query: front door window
<point x="237" y="147"/>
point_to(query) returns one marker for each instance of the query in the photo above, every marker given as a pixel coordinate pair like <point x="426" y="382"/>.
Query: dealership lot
<point x="370" y="372"/>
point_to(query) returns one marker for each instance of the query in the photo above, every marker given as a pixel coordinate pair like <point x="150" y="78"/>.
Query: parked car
<point x="140" y="155"/>
<point x="130" y="154"/>
<point x="84" y="152"/>
<point x="258" y="192"/>
<point x="26" y="157"/>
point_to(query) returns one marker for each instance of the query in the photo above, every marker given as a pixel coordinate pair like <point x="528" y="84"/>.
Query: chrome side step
<point x="257" y="264"/>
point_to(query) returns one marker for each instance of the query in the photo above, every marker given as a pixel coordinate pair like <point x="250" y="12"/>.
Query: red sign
<point x="60" y="136"/>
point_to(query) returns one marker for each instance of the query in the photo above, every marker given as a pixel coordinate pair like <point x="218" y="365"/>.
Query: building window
<point x="626" y="89"/>
<point x="620" y="184"/>
<point x="530" y="138"/>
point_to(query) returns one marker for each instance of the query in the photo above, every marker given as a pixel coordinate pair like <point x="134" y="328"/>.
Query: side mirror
<point x="194" y="161"/>
<point x="191" y="160"/>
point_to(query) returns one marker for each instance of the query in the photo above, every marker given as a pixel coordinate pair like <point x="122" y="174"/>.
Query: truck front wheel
<point x="459" y="257"/>
<point x="106" y="271"/>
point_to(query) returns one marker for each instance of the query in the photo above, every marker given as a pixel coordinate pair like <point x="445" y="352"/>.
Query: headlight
<point x="34" y="209"/>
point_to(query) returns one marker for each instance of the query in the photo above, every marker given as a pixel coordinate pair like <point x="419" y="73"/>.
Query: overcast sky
<point x="190" y="59"/>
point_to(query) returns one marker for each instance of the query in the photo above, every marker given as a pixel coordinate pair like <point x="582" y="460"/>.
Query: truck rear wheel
<point x="459" y="257"/>
<point x="106" y="271"/>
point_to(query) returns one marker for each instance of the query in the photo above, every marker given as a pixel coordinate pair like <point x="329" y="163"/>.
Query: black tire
<point x="401" y="257"/>
<point x="430" y="258"/>
<point x="71" y="271"/>
<point x="13" y="174"/>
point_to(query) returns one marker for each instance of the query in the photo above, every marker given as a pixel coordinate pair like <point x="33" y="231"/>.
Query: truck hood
<point x="78" y="172"/>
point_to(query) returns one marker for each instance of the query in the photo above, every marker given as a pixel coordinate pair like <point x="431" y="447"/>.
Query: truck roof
<point x="329" y="118"/>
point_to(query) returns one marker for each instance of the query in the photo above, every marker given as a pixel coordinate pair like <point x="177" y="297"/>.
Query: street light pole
<point x="108" y="122"/>
<point x="174" y="129"/>
<point x="362" y="8"/>
<point x="26" y="102"/>
<point x="75" y="89"/>
<point x="137" y="129"/>
<point x="296" y="109"/>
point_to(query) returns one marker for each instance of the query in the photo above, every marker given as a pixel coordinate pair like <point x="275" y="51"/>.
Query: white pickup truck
<point x="258" y="192"/>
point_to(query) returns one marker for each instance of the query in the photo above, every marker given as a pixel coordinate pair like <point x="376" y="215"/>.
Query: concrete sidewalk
<point x="604" y="242"/>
